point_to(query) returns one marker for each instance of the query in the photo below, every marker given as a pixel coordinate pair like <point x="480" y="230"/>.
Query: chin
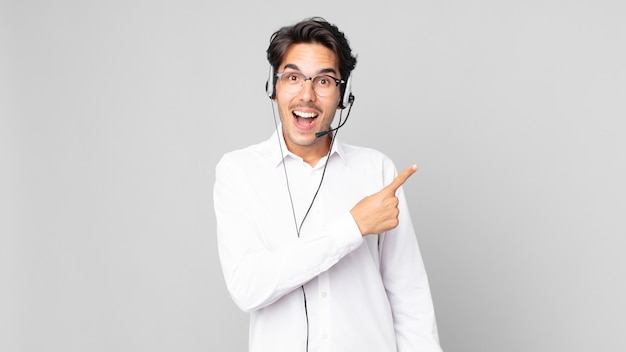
<point x="304" y="141"/>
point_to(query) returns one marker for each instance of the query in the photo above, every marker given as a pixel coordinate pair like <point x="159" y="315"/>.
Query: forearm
<point x="257" y="276"/>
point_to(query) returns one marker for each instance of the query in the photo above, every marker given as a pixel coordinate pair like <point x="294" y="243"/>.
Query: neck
<point x="311" y="154"/>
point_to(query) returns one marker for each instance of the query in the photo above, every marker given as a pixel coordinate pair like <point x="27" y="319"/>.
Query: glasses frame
<point x="338" y="81"/>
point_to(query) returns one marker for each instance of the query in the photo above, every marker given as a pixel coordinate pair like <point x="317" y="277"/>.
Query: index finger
<point x="401" y="178"/>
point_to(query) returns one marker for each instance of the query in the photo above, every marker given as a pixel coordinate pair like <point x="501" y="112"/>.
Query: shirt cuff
<point x="346" y="232"/>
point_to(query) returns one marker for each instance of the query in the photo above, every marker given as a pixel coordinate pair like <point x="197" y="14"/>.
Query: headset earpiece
<point x="270" y="85"/>
<point x="347" y="97"/>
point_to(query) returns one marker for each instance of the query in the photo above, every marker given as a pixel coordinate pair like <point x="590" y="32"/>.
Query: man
<point x="314" y="236"/>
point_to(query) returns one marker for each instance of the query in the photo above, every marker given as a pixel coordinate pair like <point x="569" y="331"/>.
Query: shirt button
<point x="324" y="294"/>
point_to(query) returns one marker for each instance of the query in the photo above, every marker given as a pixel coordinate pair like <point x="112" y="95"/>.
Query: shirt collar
<point x="277" y="157"/>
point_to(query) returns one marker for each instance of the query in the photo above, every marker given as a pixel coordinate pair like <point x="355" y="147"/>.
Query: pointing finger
<point x="401" y="178"/>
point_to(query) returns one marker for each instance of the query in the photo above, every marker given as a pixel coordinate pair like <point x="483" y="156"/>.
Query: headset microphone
<point x="350" y="101"/>
<point x="322" y="134"/>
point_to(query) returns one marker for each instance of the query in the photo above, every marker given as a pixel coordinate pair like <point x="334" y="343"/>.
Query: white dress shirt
<point x="362" y="293"/>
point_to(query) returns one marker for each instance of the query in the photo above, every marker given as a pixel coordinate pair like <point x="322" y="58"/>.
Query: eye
<point x="292" y="77"/>
<point x="324" y="81"/>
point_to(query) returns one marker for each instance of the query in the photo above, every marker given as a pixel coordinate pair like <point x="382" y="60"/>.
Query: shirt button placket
<point x="324" y="295"/>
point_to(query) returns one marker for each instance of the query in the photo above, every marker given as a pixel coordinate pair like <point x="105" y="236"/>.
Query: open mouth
<point x="304" y="119"/>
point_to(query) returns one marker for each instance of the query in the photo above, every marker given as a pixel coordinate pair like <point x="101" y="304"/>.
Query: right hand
<point x="378" y="212"/>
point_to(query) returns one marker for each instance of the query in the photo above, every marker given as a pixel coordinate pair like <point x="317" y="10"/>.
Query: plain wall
<point x="114" y="114"/>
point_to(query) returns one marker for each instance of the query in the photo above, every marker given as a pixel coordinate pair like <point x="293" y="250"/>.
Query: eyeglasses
<point x="324" y="85"/>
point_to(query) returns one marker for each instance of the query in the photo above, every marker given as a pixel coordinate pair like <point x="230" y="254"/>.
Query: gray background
<point x="114" y="114"/>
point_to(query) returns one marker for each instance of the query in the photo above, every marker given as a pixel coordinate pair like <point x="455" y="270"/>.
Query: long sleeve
<point x="407" y="287"/>
<point x="256" y="272"/>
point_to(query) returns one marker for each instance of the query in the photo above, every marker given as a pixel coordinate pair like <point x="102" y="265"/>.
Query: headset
<point x="346" y="100"/>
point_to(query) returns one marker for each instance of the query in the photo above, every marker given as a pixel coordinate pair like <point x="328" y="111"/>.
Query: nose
<point x="307" y="93"/>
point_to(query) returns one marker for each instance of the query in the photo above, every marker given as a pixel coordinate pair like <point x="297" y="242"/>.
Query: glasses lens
<point x="292" y="81"/>
<point x="324" y="85"/>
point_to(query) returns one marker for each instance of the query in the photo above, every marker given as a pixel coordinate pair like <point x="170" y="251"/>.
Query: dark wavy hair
<point x="312" y="30"/>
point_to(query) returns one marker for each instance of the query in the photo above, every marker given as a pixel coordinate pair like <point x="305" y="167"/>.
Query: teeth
<point x="306" y="115"/>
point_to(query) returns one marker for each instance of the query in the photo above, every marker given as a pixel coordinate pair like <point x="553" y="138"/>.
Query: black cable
<point x="306" y="314"/>
<point x="332" y="142"/>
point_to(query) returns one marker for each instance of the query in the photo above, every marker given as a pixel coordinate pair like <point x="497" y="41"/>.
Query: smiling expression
<point x="303" y="114"/>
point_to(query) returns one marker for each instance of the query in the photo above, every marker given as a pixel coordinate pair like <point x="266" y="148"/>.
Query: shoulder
<point x="251" y="155"/>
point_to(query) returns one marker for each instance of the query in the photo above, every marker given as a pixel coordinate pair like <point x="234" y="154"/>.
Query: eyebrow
<point x="324" y="70"/>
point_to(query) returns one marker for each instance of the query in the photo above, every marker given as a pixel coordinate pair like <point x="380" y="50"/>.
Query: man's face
<point x="305" y="113"/>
